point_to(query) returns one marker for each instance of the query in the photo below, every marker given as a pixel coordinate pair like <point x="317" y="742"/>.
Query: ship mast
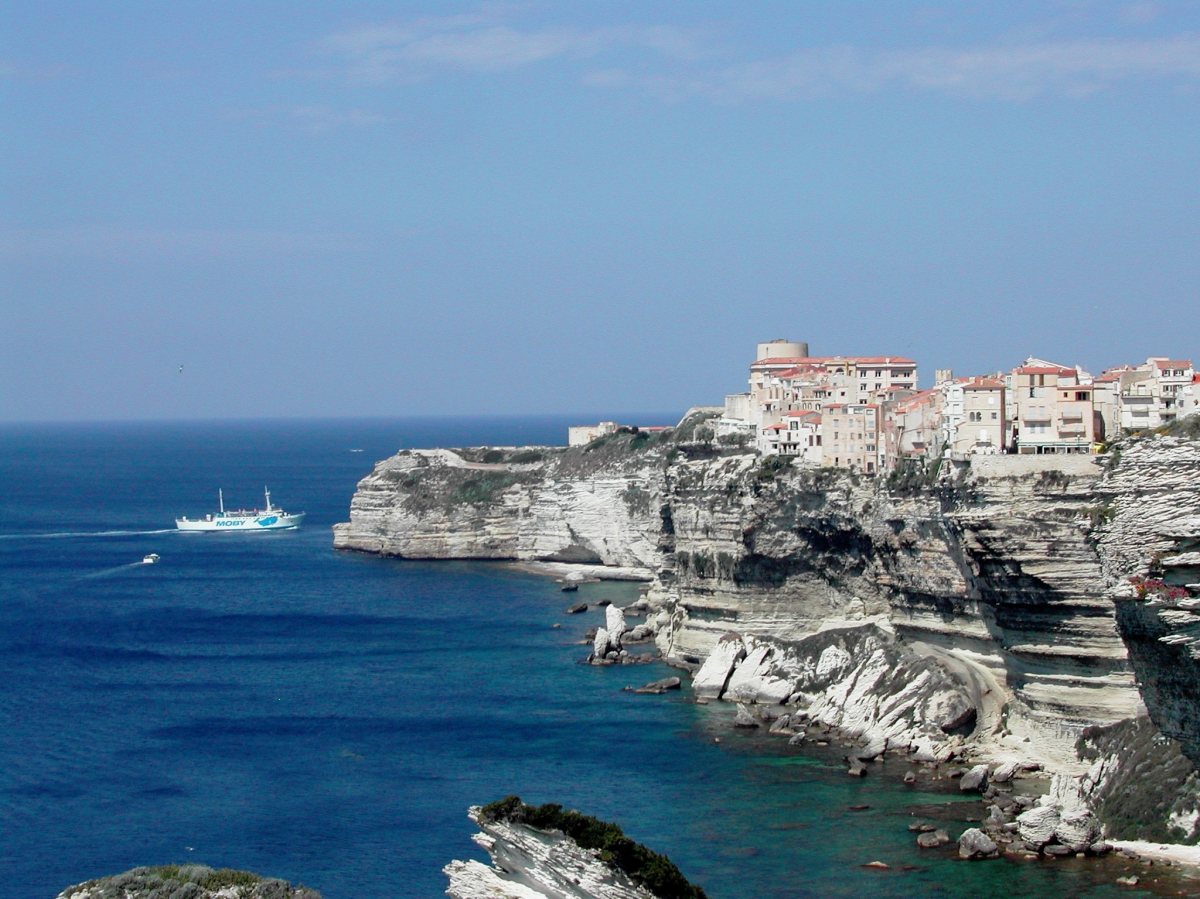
<point x="268" y="493"/>
<point x="221" y="498"/>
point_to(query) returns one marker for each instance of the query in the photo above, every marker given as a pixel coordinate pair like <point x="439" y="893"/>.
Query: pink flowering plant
<point x="1154" y="588"/>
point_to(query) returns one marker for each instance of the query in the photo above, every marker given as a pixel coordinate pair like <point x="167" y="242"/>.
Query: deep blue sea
<point x="259" y="701"/>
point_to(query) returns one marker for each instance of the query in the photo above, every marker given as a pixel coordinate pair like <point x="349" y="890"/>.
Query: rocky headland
<point x="546" y="851"/>
<point x="998" y="619"/>
<point x="186" y="882"/>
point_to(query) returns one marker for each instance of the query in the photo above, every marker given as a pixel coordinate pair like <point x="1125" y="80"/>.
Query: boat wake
<point x="60" y="534"/>
<point x="109" y="572"/>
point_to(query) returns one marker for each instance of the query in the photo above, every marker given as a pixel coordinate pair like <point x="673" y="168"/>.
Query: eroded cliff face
<point x="537" y="503"/>
<point x="993" y="569"/>
<point x="1009" y="575"/>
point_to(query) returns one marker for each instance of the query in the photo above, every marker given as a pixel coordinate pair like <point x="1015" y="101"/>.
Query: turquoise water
<point x="259" y="701"/>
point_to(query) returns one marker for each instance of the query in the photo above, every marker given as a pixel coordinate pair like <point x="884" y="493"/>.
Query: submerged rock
<point x="660" y="686"/>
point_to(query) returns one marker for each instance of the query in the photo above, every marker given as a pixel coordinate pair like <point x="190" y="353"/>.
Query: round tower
<point x="781" y="349"/>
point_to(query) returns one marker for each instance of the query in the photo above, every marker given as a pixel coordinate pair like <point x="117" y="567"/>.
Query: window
<point x="1081" y="395"/>
<point x="993" y="416"/>
<point x="1032" y="392"/>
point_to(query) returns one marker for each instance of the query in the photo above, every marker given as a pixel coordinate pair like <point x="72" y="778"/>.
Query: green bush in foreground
<point x="645" y="867"/>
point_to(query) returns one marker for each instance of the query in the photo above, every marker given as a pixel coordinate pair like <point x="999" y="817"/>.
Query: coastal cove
<point x="265" y="702"/>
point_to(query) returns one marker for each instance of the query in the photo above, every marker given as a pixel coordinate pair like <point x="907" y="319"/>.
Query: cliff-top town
<point x="866" y="413"/>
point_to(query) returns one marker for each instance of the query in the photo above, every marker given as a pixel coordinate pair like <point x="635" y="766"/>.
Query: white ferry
<point x="268" y="519"/>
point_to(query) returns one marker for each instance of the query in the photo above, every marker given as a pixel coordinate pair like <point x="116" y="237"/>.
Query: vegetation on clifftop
<point x="647" y="868"/>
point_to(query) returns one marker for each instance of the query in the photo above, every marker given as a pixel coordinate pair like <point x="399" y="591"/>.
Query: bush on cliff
<point x="482" y="488"/>
<point x="644" y="866"/>
<point x="1188" y="427"/>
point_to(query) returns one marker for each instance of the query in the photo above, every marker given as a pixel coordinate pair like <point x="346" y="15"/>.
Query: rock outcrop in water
<point x="545" y="851"/>
<point x="186" y="882"/>
<point x="985" y="609"/>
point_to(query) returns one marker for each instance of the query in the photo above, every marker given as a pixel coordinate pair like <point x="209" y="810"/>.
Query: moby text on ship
<point x="268" y="519"/>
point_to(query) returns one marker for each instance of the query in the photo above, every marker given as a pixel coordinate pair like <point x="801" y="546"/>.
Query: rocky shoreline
<point x="1027" y="812"/>
<point x="1012" y="614"/>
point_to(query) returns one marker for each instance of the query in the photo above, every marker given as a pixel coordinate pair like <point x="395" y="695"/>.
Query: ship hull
<point x="266" y="521"/>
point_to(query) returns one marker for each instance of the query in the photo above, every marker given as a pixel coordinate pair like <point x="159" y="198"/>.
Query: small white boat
<point x="271" y="518"/>
<point x="150" y="558"/>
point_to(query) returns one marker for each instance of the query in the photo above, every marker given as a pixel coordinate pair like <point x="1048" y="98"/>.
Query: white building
<point x="584" y="434"/>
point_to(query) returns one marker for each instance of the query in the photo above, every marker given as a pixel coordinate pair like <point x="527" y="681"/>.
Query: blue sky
<point x="412" y="208"/>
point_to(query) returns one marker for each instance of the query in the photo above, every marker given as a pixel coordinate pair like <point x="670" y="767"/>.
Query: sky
<point x="288" y="209"/>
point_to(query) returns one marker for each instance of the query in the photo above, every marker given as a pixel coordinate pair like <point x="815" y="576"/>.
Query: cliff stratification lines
<point x="997" y="579"/>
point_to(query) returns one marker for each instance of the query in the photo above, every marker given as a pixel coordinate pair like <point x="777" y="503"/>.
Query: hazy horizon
<point x="305" y="210"/>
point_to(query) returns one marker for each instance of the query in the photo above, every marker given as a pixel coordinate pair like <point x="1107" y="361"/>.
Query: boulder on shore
<point x="600" y="645"/>
<point x="1077" y="828"/>
<point x="974" y="844"/>
<point x="710" y="680"/>
<point x="614" y="623"/>
<point x="1036" y="826"/>
<point x="975" y="780"/>
<point x="577" y="608"/>
<point x="1004" y="773"/>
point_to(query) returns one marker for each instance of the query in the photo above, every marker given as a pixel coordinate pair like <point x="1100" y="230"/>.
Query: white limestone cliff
<point x="986" y="610"/>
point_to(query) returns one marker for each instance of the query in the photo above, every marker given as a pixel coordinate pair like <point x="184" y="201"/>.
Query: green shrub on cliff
<point x="482" y="488"/>
<point x="1188" y="427"/>
<point x="644" y="866"/>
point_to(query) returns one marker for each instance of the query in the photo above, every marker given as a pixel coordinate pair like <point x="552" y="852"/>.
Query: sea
<point x="259" y="701"/>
